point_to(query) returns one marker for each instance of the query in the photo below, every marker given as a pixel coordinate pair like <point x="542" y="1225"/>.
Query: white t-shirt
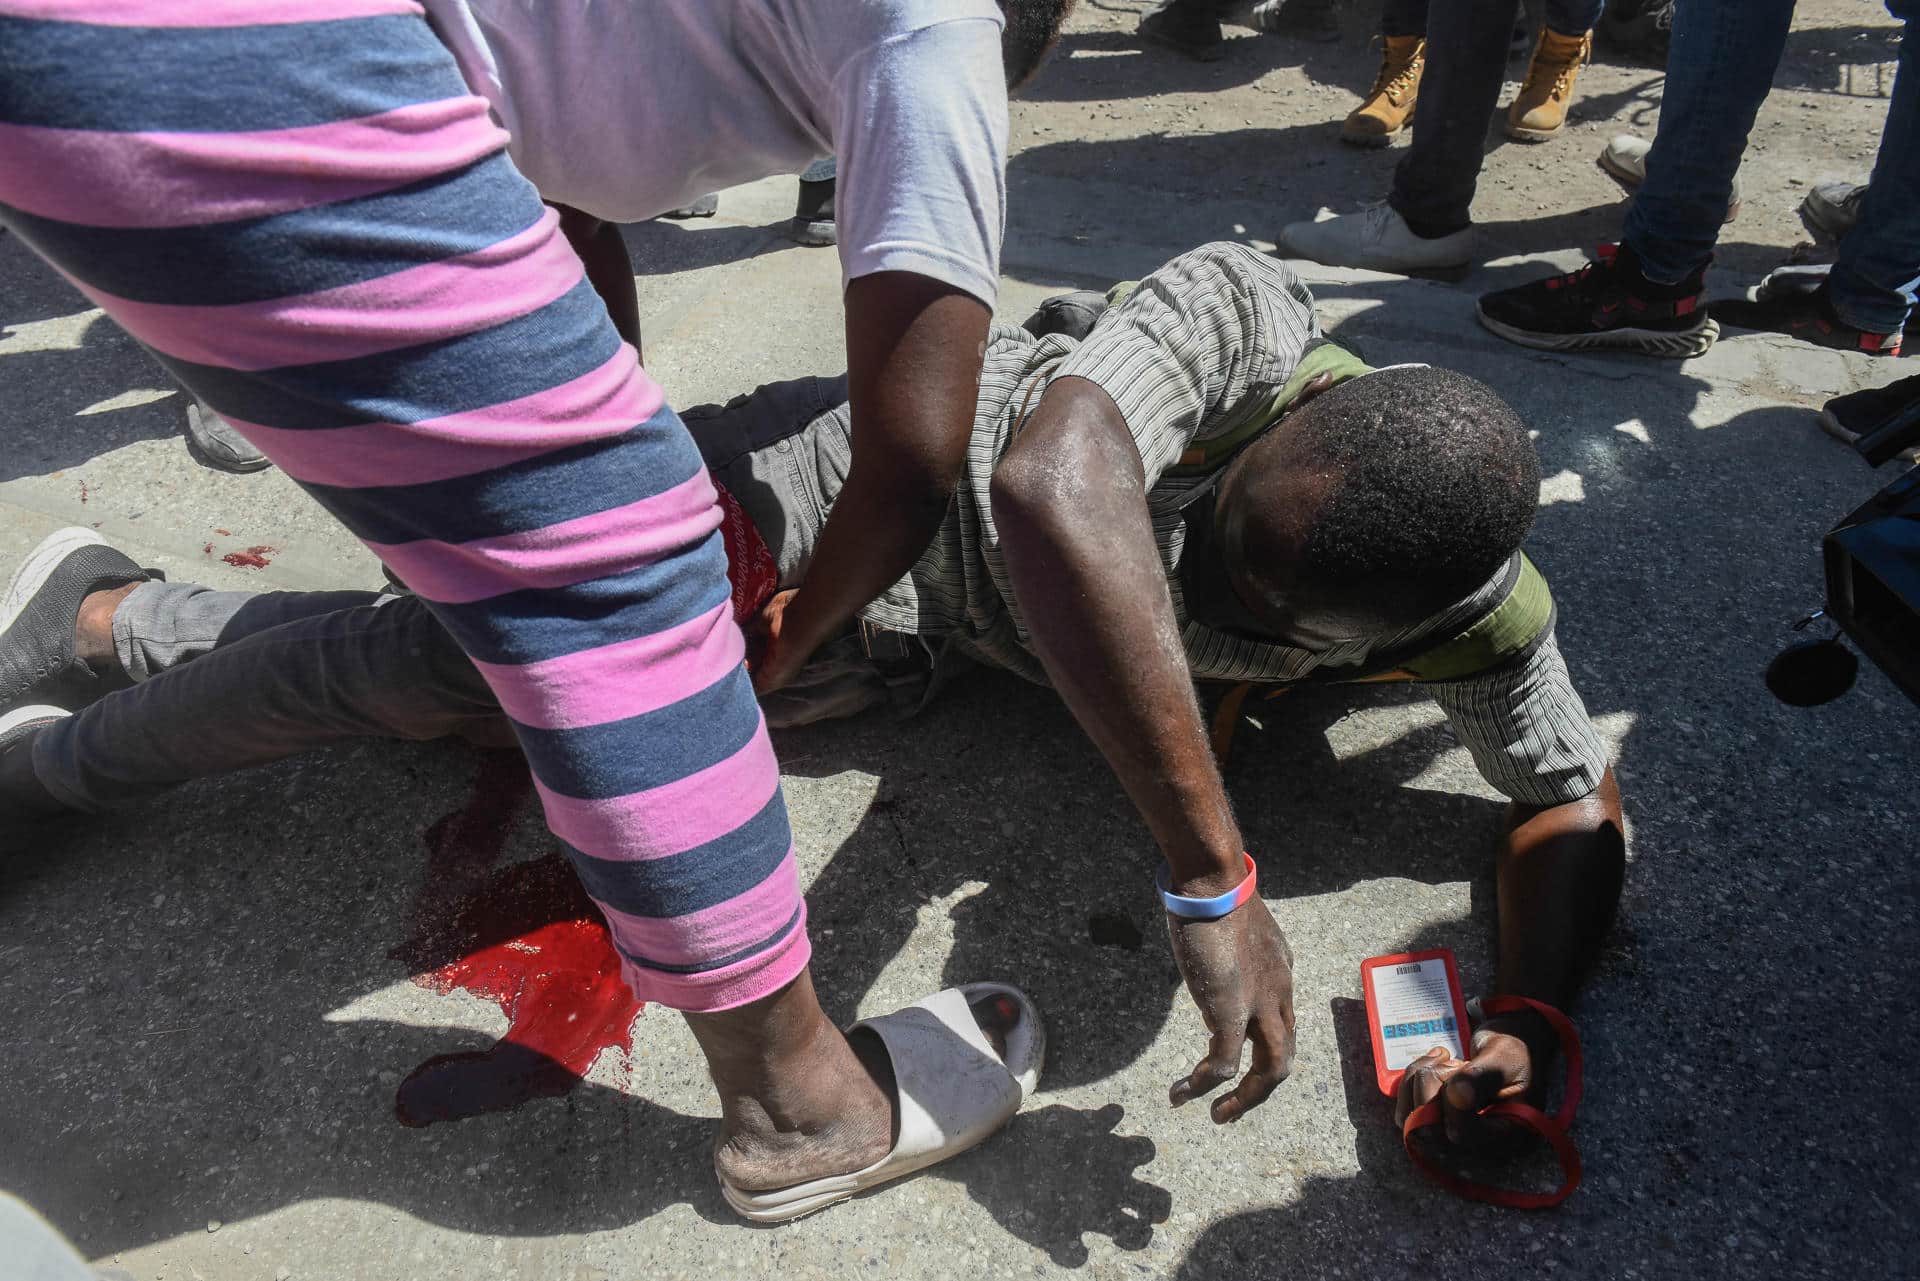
<point x="625" y="109"/>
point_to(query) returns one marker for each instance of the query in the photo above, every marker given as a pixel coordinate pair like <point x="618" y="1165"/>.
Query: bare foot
<point x="93" y="628"/>
<point x="834" y="1113"/>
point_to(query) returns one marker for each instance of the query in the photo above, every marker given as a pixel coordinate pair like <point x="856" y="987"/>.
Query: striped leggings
<point x="301" y="209"/>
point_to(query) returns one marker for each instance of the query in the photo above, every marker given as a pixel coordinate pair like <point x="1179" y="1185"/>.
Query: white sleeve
<point x="922" y="141"/>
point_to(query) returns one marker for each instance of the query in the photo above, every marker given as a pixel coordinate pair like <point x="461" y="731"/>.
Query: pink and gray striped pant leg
<point x="300" y="208"/>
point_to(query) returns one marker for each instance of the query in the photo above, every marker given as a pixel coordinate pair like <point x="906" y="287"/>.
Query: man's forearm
<point x="914" y="348"/>
<point x="1070" y="505"/>
<point x="1560" y="873"/>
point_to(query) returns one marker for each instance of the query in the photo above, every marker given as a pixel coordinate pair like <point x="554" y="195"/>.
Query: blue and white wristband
<point x="1207" y="909"/>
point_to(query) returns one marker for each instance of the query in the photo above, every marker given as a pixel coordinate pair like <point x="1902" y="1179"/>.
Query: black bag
<point x="1873" y="579"/>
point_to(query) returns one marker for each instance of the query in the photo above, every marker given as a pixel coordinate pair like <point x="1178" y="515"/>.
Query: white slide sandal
<point x="954" y="1091"/>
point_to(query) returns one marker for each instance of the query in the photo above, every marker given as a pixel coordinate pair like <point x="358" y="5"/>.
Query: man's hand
<point x="1239" y="971"/>
<point x="1508" y="1053"/>
<point x="772" y="664"/>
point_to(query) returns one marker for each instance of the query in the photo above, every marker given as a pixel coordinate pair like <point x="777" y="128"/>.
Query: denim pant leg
<point x="386" y="670"/>
<point x="159" y="625"/>
<point x="1574" y="17"/>
<point x="1466" y="66"/>
<point x="1878" y="271"/>
<point x="1720" y="66"/>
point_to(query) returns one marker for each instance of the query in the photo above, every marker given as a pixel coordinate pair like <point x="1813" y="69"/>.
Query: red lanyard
<point x="1551" y="1128"/>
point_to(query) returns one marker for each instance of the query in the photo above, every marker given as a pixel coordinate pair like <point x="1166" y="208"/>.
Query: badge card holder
<point x="1413" y="1004"/>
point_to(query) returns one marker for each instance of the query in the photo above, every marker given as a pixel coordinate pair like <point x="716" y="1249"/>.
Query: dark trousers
<point x="1466" y="65"/>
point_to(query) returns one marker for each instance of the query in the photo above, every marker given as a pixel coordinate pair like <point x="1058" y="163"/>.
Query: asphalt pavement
<point x="210" y="1001"/>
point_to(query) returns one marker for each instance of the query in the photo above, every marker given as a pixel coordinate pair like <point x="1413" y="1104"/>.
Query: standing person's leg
<point x="1403" y="18"/>
<point x="388" y="311"/>
<point x="813" y="222"/>
<point x="1646" y="297"/>
<point x="1574" y="17"/>
<point x="1425" y="227"/>
<point x="1388" y="107"/>
<point x="1466" y="66"/>
<point x="1874" y="280"/>
<point x="1719" y="69"/>
<point x="1539" y="111"/>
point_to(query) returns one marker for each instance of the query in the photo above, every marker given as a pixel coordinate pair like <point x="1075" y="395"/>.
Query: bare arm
<point x="604" y="254"/>
<point x="1070" y="503"/>
<point x="1560" y="870"/>
<point x="914" y="347"/>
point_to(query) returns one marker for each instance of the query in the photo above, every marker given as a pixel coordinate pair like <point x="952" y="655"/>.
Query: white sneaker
<point x="1625" y="157"/>
<point x="1379" y="239"/>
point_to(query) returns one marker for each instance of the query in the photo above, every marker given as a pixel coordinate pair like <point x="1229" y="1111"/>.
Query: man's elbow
<point x="1029" y="492"/>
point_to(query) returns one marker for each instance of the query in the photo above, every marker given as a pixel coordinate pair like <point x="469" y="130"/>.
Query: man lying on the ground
<point x="1202" y="487"/>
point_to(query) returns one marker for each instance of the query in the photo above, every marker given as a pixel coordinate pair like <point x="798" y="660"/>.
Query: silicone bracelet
<point x="1207" y="909"/>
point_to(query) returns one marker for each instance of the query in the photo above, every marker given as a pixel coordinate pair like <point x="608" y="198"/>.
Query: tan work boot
<point x="1540" y="108"/>
<point x="1389" y="107"/>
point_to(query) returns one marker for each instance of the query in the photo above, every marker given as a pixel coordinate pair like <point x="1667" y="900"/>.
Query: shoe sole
<point x="230" y="466"/>
<point x="1645" y="342"/>
<point x="1452" y="273"/>
<point x="1370" y="139"/>
<point x="1821" y="230"/>
<point x="813" y="233"/>
<point x="1520" y="133"/>
<point x="39" y="566"/>
<point x="27" y="715"/>
<point x="1626" y="177"/>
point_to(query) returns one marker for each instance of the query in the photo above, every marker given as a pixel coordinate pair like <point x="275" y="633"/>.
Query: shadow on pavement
<point x="59" y="383"/>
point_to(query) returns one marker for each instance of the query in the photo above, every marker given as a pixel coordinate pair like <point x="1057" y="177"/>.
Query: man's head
<point x="1033" y="27"/>
<point x="1376" y="504"/>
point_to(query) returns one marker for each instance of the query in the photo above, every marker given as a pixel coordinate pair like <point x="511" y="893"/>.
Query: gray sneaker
<point x="1379" y="239"/>
<point x="41" y="606"/>
<point x="214" y="443"/>
<point x="1830" y="209"/>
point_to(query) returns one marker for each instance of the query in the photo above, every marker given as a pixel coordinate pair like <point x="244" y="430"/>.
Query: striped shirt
<point x="300" y="208"/>
<point x="1199" y="347"/>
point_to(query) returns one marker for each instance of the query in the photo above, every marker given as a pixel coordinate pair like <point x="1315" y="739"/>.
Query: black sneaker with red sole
<point x="1805" y="315"/>
<point x="1607" y="305"/>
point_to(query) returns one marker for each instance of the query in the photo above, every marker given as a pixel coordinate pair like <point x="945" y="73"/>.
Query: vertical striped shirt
<point x="1197" y="348"/>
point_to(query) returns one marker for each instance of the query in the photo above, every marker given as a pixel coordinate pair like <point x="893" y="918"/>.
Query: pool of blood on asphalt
<point x="524" y="936"/>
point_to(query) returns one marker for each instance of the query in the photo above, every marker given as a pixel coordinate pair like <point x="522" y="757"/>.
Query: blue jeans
<point x="1720" y="66"/>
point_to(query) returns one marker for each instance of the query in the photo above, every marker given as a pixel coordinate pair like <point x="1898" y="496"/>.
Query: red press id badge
<point x="1413" y="1004"/>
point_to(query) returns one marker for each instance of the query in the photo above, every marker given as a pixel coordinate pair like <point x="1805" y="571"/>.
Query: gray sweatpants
<point x="229" y="680"/>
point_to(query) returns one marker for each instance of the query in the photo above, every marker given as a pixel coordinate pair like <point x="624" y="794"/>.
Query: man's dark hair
<point x="1032" y="27"/>
<point x="1433" y="486"/>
